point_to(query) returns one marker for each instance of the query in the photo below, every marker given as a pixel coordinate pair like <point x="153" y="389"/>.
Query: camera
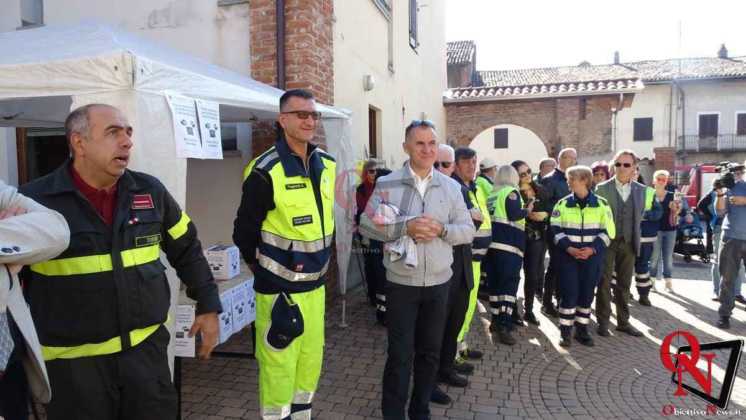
<point x="727" y="178"/>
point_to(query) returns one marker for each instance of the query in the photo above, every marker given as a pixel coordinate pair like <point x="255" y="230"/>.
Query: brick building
<point x="531" y="113"/>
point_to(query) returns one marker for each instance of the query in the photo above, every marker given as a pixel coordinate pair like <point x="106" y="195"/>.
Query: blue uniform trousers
<point x="643" y="282"/>
<point x="503" y="275"/>
<point x="577" y="285"/>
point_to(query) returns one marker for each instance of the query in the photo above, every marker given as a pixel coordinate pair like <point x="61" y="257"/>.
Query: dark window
<point x="413" y="40"/>
<point x="741" y="124"/>
<point x="501" y="138"/>
<point x="708" y="125"/>
<point x="372" y="132"/>
<point x="583" y="104"/>
<point x="643" y="129"/>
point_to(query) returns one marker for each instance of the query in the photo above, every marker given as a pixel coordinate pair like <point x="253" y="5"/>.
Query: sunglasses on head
<point x="303" y="115"/>
<point x="445" y="165"/>
<point x="421" y="123"/>
<point x="626" y="165"/>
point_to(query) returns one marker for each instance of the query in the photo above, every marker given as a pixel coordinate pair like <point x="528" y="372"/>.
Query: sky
<point x="545" y="33"/>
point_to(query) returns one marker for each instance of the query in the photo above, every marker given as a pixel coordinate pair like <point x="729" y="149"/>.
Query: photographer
<point x="732" y="206"/>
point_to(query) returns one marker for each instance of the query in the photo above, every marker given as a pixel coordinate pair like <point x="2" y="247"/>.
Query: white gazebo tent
<point x="46" y="72"/>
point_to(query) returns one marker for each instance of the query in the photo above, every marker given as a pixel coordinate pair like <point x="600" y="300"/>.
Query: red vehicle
<point x="695" y="181"/>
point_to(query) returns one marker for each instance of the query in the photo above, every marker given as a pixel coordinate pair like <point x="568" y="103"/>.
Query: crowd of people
<point x="600" y="226"/>
<point x="84" y="297"/>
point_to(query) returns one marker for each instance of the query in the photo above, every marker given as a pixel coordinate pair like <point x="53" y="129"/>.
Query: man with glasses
<point x="445" y="160"/>
<point x="556" y="185"/>
<point x="630" y="206"/>
<point x="416" y="204"/>
<point x="284" y="229"/>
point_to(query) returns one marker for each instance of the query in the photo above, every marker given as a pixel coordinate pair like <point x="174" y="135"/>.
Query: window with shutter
<point x="413" y="40"/>
<point x="741" y="124"/>
<point x="501" y="138"/>
<point x="708" y="125"/>
<point x="643" y="128"/>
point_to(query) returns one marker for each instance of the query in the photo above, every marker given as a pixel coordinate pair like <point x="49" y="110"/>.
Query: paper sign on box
<point x="224" y="261"/>
<point x="226" y="317"/>
<point x="184" y="345"/>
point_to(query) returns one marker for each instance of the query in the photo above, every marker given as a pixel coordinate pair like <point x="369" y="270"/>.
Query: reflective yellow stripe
<point x="139" y="256"/>
<point x="74" y="266"/>
<point x="296" y="245"/>
<point x="113" y="345"/>
<point x="96" y="263"/>
<point x="179" y="229"/>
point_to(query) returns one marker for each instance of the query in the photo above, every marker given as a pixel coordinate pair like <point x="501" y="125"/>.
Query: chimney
<point x="723" y="52"/>
<point x="616" y="57"/>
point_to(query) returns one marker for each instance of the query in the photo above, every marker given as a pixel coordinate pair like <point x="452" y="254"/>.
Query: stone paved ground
<point x="622" y="377"/>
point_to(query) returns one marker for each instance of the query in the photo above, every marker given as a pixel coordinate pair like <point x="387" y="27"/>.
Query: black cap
<point x="286" y="323"/>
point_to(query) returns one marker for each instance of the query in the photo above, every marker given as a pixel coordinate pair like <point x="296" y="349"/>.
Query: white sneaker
<point x="654" y="287"/>
<point x="669" y="286"/>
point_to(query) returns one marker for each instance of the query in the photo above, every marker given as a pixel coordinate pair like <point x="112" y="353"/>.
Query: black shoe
<point x="471" y="354"/>
<point x="463" y="367"/>
<point x="505" y="337"/>
<point x="452" y="379"/>
<point x="531" y="318"/>
<point x="438" y="396"/>
<point x="566" y="337"/>
<point x="603" y="330"/>
<point x="629" y="330"/>
<point x="584" y="338"/>
<point x="723" y="323"/>
<point x="740" y="299"/>
<point x="550" y="311"/>
<point x="644" y="301"/>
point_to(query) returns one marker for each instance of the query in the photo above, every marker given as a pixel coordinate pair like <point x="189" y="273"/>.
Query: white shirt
<point x="421" y="183"/>
<point x="623" y="189"/>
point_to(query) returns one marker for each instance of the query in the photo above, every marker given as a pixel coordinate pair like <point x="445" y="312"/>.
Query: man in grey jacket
<point x="429" y="209"/>
<point x="29" y="233"/>
<point x="627" y="201"/>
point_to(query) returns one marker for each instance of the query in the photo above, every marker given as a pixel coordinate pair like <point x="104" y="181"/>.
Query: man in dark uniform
<point x="101" y="306"/>
<point x="556" y="185"/>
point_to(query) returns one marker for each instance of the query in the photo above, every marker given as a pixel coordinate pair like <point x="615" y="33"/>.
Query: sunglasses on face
<point x="303" y="115"/>
<point x="445" y="165"/>
<point x="525" y="174"/>
<point x="620" y="164"/>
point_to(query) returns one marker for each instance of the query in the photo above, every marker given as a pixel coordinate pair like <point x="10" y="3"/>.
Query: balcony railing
<point x="720" y="143"/>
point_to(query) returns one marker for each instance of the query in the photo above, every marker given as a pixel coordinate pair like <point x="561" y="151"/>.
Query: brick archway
<point x="580" y="122"/>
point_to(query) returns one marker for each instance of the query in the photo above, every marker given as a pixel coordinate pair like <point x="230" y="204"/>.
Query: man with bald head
<point x="101" y="307"/>
<point x="419" y="204"/>
<point x="445" y="162"/>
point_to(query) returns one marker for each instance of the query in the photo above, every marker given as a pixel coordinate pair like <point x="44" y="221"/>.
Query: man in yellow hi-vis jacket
<point x="284" y="229"/>
<point x="100" y="306"/>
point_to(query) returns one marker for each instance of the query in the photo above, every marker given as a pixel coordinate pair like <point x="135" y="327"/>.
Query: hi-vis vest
<point x="649" y="228"/>
<point x="484" y="185"/>
<point x="507" y="235"/>
<point x="483" y="236"/>
<point x="296" y="236"/>
<point x="582" y="227"/>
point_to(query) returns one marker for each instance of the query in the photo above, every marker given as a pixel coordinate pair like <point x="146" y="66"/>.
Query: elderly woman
<point x="583" y="227"/>
<point x="505" y="256"/>
<point x="600" y="169"/>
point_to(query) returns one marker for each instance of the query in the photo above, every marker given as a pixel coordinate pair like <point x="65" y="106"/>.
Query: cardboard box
<point x="226" y="317"/>
<point x="184" y="346"/>
<point x="249" y="285"/>
<point x="240" y="308"/>
<point x="224" y="261"/>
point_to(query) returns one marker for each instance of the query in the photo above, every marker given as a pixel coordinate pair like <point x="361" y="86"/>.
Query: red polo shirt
<point x="102" y="200"/>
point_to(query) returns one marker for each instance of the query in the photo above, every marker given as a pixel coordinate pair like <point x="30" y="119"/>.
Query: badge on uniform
<point x="513" y="196"/>
<point x="142" y="202"/>
<point x="555" y="213"/>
